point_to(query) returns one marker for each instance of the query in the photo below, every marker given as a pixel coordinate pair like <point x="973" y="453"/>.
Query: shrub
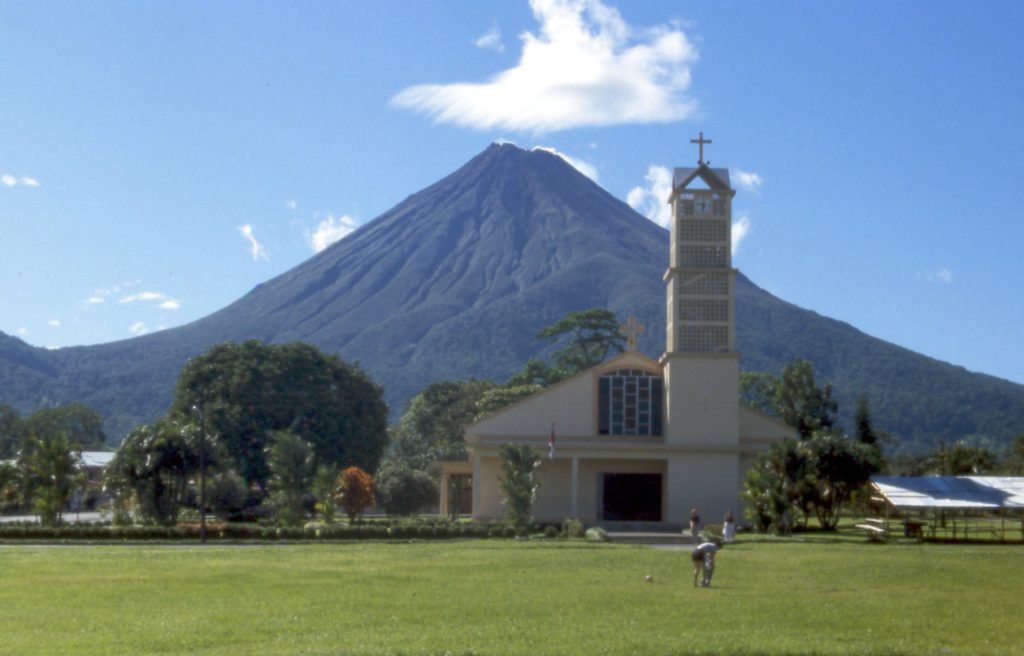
<point x="550" y="532"/>
<point x="572" y="528"/>
<point x="596" y="534"/>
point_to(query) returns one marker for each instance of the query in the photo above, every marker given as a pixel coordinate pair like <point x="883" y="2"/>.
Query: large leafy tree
<point x="801" y="403"/>
<point x="155" y="462"/>
<point x="81" y="424"/>
<point x="404" y="490"/>
<point x="839" y="466"/>
<point x="438" y="415"/>
<point x="793" y="397"/>
<point x="519" y="463"/>
<point x="12" y="431"/>
<point x="590" y="336"/>
<point x="246" y="391"/>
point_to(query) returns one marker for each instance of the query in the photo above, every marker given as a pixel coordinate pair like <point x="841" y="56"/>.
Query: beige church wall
<point x="758" y="427"/>
<point x="569" y="405"/>
<point x="554" y="494"/>
<point x="487" y="490"/>
<point x="709" y="482"/>
<point x="700" y="408"/>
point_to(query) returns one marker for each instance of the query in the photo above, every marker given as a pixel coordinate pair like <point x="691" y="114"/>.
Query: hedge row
<point x="233" y="532"/>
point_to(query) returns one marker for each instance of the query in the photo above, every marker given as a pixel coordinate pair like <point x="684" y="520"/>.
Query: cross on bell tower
<point x="700" y="141"/>
<point x="631" y="329"/>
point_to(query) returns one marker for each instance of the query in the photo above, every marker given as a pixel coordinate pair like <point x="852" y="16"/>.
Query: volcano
<point x="455" y="282"/>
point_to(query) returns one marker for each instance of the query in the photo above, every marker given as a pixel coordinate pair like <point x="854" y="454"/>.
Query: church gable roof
<point x="569" y="404"/>
<point x="717" y="179"/>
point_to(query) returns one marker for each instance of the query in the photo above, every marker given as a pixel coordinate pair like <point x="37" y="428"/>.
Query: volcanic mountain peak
<point x="456" y="281"/>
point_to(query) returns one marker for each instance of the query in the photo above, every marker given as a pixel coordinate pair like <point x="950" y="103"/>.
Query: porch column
<point x="442" y="508"/>
<point x="574" y="488"/>
<point x="476" y="485"/>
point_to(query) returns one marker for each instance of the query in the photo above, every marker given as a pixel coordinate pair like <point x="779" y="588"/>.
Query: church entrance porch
<point x="631" y="497"/>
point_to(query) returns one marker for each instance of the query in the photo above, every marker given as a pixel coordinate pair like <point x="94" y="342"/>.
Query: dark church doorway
<point x="631" y="498"/>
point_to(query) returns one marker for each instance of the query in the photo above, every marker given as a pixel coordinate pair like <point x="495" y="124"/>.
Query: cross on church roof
<point x="631" y="329"/>
<point x="700" y="141"/>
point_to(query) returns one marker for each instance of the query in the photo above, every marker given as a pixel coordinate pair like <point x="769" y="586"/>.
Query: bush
<point x="572" y="528"/>
<point x="596" y="534"/>
<point x="550" y="532"/>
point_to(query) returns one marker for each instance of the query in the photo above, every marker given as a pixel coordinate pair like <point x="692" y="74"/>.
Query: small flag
<point x="551" y="443"/>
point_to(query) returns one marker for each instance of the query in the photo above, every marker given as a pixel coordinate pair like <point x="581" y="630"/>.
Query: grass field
<point x="505" y="597"/>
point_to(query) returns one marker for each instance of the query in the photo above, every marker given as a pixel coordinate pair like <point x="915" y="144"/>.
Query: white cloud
<point x="259" y="252"/>
<point x="941" y="276"/>
<point x="22" y="331"/>
<point x="490" y="41"/>
<point x="54" y="323"/>
<point x="740" y="229"/>
<point x="143" y="296"/>
<point x="170" y="304"/>
<point x="747" y="180"/>
<point x="10" y="181"/>
<point x="95" y="300"/>
<point x="586" y="67"/>
<point x="586" y="168"/>
<point x="330" y="230"/>
<point x="652" y="200"/>
<point x="138" y="328"/>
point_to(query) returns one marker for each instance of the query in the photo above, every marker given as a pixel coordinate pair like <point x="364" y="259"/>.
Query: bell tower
<point x="700" y="360"/>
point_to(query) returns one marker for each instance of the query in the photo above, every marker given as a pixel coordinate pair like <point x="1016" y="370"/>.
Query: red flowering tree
<point x="354" y="491"/>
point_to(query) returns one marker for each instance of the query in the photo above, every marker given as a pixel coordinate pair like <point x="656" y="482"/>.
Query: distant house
<point x="93" y="464"/>
<point x="635" y="439"/>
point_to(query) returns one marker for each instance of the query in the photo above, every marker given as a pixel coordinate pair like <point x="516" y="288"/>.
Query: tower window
<point x="629" y="403"/>
<point x="704" y="256"/>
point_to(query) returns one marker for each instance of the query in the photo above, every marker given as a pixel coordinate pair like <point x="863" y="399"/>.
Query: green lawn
<point x="506" y="597"/>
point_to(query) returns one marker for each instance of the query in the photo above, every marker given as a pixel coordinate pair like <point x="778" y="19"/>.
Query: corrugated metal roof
<point x="952" y="492"/>
<point x="96" y="458"/>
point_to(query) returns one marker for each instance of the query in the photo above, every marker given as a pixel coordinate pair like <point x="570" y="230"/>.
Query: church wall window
<point x="705" y="230"/>
<point x="704" y="309"/>
<point x="704" y="256"/>
<point x="704" y="284"/>
<point x="629" y="403"/>
<point x="704" y="339"/>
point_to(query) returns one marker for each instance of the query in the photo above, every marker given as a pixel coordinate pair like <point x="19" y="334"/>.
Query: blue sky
<point x="158" y="160"/>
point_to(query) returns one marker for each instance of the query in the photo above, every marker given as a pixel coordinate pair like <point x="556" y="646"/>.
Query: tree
<point x="962" y="459"/>
<point x="519" y="463"/>
<point x="292" y="467"/>
<point x="758" y="389"/>
<point x="323" y="490"/>
<point x="592" y="335"/>
<point x="839" y="467"/>
<point x="249" y="390"/>
<point x="81" y="424"/>
<point x="1013" y="461"/>
<point x="865" y="431"/>
<point x="354" y="492"/>
<point x="802" y="404"/>
<point x="497" y="398"/>
<point x="155" y="462"/>
<point x="51" y="473"/>
<point x="12" y="431"/>
<point x="438" y="415"/>
<point x="402" y="490"/>
<point x="777" y="485"/>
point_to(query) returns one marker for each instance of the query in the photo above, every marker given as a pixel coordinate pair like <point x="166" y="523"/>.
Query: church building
<point x="635" y="439"/>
